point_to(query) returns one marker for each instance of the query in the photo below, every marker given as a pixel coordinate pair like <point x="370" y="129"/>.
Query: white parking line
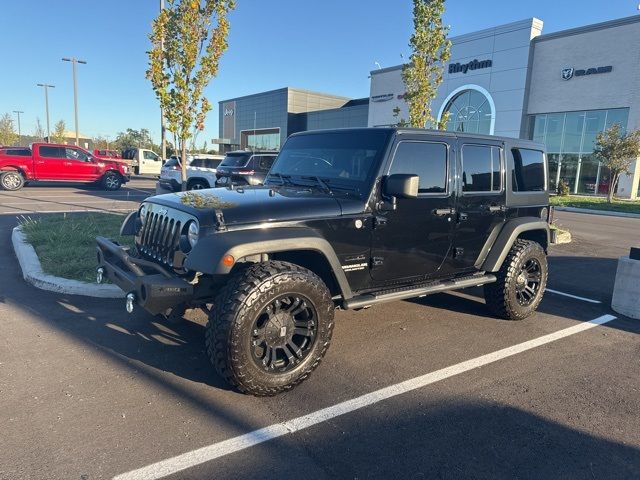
<point x="572" y="296"/>
<point x="202" y="455"/>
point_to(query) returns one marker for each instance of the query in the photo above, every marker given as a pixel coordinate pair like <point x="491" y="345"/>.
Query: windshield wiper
<point x="320" y="182"/>
<point x="283" y="178"/>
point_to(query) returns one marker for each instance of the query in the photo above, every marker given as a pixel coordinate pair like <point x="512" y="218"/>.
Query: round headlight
<point x="192" y="233"/>
<point x="143" y="213"/>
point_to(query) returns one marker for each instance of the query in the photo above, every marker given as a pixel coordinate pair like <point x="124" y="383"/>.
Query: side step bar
<point x="366" y="300"/>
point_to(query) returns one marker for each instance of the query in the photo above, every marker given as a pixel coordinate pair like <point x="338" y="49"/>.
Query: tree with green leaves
<point x="8" y="135"/>
<point x="617" y="150"/>
<point x="134" y="139"/>
<point x="38" y="131"/>
<point x="425" y="71"/>
<point x="59" y="130"/>
<point x="187" y="42"/>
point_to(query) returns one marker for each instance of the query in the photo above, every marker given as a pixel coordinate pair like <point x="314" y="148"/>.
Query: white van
<point x="143" y="161"/>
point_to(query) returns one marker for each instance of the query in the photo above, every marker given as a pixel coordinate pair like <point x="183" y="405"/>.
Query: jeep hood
<point x="252" y="204"/>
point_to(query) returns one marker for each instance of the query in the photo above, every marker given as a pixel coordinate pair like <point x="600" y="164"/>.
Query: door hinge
<point x="377" y="261"/>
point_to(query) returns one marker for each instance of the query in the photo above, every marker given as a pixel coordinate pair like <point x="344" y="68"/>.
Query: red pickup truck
<point x="65" y="163"/>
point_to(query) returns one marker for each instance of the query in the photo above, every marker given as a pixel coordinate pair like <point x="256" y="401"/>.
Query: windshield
<point x="235" y="160"/>
<point x="345" y="160"/>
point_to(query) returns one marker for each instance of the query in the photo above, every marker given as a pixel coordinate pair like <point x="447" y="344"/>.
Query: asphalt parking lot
<point x="88" y="391"/>
<point x="51" y="197"/>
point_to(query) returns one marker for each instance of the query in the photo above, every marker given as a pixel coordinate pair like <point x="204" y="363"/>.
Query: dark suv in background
<point x="244" y="168"/>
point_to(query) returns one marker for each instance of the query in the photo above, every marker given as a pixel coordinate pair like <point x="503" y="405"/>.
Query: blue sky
<point x="324" y="45"/>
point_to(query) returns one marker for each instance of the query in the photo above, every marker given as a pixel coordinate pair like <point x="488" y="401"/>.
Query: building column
<point x="628" y="184"/>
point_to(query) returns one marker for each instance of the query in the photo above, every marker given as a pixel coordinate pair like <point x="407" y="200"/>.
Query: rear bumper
<point x="156" y="289"/>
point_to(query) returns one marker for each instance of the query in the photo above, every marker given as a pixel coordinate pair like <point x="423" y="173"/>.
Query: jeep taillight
<point x="246" y="172"/>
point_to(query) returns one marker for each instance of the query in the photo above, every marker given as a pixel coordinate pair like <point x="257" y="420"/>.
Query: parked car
<point x="201" y="172"/>
<point x="51" y="162"/>
<point x="143" y="161"/>
<point x="244" y="168"/>
<point x="347" y="219"/>
<point x="103" y="153"/>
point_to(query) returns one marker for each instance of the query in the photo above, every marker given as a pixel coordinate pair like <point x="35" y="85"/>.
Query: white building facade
<point x="560" y="89"/>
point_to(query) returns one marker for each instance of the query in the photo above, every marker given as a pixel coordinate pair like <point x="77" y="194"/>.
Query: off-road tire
<point x="197" y="185"/>
<point x="11" y="180"/>
<point x="239" y="303"/>
<point x="501" y="296"/>
<point x="111" y="181"/>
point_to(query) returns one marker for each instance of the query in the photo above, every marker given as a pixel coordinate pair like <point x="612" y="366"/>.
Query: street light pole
<point x="163" y="128"/>
<point x="74" y="62"/>
<point x="18" y="112"/>
<point x="46" y="103"/>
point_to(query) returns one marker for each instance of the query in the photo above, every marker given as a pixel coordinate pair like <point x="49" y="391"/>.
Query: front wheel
<point x="111" y="181"/>
<point x="521" y="282"/>
<point x="269" y="328"/>
<point x="11" y="180"/>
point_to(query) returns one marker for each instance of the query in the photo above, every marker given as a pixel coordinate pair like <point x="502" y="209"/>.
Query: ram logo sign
<point x="567" y="73"/>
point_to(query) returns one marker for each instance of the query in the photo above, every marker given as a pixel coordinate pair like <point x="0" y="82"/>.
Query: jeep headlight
<point x="143" y="213"/>
<point x="192" y="233"/>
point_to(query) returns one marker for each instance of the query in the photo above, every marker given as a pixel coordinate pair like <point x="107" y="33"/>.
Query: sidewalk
<point x="596" y="212"/>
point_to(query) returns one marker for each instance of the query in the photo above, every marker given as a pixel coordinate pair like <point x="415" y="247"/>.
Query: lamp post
<point x="74" y="61"/>
<point x="18" y="112"/>
<point x="46" y="105"/>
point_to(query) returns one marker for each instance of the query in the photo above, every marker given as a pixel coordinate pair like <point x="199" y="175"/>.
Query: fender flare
<point x="509" y="233"/>
<point x="206" y="256"/>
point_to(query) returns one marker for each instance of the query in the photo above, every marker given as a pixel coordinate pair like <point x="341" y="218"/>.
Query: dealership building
<point x="561" y="89"/>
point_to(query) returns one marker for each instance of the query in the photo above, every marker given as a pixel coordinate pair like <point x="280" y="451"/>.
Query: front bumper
<point x="156" y="289"/>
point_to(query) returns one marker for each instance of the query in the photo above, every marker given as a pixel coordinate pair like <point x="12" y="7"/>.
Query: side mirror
<point x="401" y="185"/>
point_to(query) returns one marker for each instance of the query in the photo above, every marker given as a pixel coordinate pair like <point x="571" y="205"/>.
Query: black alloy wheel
<point x="284" y="333"/>
<point x="528" y="282"/>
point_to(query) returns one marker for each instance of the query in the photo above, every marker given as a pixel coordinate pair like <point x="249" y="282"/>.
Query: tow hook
<point x="131" y="298"/>
<point x="99" y="275"/>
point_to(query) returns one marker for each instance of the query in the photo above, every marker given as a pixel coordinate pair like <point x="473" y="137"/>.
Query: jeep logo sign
<point x="472" y="65"/>
<point x="228" y="112"/>
<point x="569" y="72"/>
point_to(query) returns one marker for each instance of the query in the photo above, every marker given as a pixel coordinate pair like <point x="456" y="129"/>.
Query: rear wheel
<point x="11" y="180"/>
<point x="197" y="185"/>
<point x="111" y="181"/>
<point x="269" y="328"/>
<point x="521" y="282"/>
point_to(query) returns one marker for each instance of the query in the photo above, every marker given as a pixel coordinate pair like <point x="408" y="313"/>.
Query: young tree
<point x="8" y="135"/>
<point x="424" y="73"/>
<point x="38" y="131"/>
<point x="187" y="41"/>
<point x="58" y="132"/>
<point x="617" y="151"/>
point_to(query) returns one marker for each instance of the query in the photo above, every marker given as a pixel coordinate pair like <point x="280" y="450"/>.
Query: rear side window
<point x="427" y="160"/>
<point x="481" y="169"/>
<point x="53" y="152"/>
<point x="197" y="162"/>
<point x="235" y="160"/>
<point x="211" y="163"/>
<point x="172" y="162"/>
<point x="18" y="152"/>
<point x="528" y="174"/>
<point x="265" y="161"/>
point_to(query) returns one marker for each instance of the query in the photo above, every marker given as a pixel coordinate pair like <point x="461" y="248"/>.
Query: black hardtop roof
<point x="426" y="133"/>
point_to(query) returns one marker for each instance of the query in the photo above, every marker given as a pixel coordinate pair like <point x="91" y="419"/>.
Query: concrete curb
<point x="33" y="274"/>
<point x="597" y="212"/>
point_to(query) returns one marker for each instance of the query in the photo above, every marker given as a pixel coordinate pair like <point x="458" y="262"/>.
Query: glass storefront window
<point x="470" y="112"/>
<point x="570" y="138"/>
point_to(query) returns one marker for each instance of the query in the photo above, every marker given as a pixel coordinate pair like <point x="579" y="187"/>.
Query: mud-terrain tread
<point x="497" y="295"/>
<point x="241" y="291"/>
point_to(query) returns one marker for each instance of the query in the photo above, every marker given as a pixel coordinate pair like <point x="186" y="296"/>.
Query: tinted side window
<point x="265" y="162"/>
<point x="19" y="152"/>
<point x="73" y="154"/>
<point x="481" y="170"/>
<point x="197" y="162"/>
<point x="427" y="160"/>
<point x="52" y="152"/>
<point x="211" y="163"/>
<point x="528" y="170"/>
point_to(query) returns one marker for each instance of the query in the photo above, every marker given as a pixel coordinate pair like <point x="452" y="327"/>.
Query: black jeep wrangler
<point x="348" y="219"/>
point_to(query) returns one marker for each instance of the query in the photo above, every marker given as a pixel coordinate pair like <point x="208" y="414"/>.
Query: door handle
<point x="443" y="212"/>
<point x="67" y="163"/>
<point x="495" y="208"/>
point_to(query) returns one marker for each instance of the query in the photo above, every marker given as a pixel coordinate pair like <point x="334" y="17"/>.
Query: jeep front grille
<point x="159" y="237"/>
